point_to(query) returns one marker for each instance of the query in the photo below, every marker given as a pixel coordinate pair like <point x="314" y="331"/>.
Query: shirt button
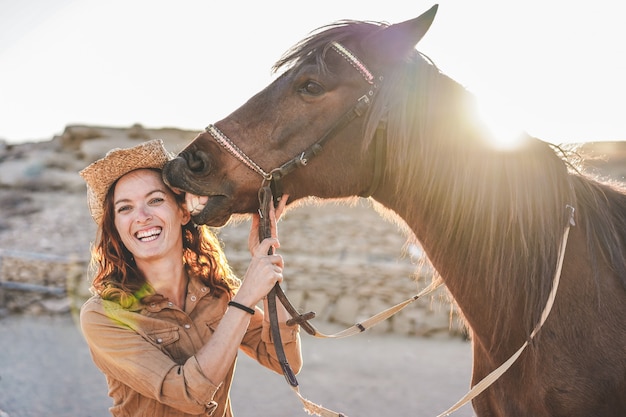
<point x="192" y="298"/>
<point x="159" y="340"/>
<point x="153" y="305"/>
<point x="187" y="326"/>
<point x="170" y="304"/>
<point x="203" y="289"/>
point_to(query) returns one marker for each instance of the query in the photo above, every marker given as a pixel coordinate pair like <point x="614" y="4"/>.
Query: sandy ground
<point x="46" y="370"/>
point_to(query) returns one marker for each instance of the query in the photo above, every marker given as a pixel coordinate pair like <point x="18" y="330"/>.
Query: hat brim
<point x="104" y="172"/>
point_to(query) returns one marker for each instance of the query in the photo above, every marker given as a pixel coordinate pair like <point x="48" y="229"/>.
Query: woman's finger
<point x="264" y="247"/>
<point x="282" y="204"/>
<point x="276" y="213"/>
<point x="253" y="236"/>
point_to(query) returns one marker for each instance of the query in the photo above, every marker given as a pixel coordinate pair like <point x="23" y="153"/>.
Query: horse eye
<point x="312" y="88"/>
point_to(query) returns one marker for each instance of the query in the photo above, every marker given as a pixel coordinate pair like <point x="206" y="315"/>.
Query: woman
<point x="168" y="315"/>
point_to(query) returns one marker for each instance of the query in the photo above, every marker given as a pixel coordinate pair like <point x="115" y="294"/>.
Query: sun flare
<point x="503" y="125"/>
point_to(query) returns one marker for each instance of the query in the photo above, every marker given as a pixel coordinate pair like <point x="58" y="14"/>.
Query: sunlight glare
<point x="504" y="126"/>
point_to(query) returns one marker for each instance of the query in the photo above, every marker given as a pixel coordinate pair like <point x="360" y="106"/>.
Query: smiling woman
<point x="146" y="212"/>
<point x="168" y="316"/>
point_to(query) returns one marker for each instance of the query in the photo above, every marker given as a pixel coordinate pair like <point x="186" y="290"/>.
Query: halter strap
<point x="275" y="175"/>
<point x="234" y="150"/>
<point x="354" y="61"/>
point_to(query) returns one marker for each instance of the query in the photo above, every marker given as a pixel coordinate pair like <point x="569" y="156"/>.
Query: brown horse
<point x="490" y="221"/>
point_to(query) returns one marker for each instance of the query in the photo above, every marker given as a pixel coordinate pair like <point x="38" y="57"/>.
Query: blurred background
<point x="78" y="78"/>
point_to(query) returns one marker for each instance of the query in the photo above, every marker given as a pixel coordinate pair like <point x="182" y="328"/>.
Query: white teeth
<point x="195" y="203"/>
<point x="148" y="235"/>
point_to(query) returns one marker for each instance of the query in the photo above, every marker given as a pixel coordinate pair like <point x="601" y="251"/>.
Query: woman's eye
<point x="157" y="200"/>
<point x="312" y="88"/>
<point x="122" y="209"/>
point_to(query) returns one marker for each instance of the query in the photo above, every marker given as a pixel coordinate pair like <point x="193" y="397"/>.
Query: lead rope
<point x="495" y="374"/>
<point x="265" y="198"/>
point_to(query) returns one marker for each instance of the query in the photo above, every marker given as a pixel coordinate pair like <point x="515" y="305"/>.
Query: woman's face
<point x="147" y="216"/>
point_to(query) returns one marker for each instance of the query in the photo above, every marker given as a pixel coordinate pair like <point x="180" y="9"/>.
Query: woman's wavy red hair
<point x="117" y="277"/>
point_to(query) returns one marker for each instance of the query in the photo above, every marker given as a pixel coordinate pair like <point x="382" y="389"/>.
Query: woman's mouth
<point x="149" y="234"/>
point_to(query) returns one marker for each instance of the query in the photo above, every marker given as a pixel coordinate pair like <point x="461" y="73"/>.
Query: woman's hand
<point x="263" y="273"/>
<point x="275" y="214"/>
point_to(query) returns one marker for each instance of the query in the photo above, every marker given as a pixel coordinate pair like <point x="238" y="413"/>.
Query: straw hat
<point x="100" y="175"/>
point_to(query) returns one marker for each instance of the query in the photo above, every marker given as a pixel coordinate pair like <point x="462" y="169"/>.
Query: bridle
<point x="272" y="184"/>
<point x="271" y="191"/>
<point x="275" y="176"/>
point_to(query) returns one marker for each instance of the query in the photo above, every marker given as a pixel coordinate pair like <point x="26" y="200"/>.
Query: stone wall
<point x="38" y="283"/>
<point x="346" y="263"/>
<point x="328" y="270"/>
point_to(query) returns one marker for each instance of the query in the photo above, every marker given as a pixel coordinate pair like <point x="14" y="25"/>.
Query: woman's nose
<point x="143" y="214"/>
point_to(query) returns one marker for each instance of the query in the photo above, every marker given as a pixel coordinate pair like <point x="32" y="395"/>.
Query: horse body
<point x="490" y="221"/>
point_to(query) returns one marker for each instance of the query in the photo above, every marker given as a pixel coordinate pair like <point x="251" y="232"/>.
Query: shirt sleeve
<point x="122" y="353"/>
<point x="258" y="344"/>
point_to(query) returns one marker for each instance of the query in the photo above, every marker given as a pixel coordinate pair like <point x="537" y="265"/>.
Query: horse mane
<point x="490" y="216"/>
<point x="314" y="46"/>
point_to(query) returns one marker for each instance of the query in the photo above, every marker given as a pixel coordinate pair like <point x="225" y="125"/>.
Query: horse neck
<point x="468" y="287"/>
<point x="479" y="219"/>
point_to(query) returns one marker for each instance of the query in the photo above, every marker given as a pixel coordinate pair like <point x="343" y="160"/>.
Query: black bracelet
<point x="241" y="307"/>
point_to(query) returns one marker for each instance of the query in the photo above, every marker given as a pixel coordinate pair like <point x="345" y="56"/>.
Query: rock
<point x="56" y="306"/>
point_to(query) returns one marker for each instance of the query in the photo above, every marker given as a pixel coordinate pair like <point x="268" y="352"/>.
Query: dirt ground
<point x="46" y="370"/>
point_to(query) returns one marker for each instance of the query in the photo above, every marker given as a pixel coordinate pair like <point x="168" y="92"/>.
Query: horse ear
<point x="395" y="42"/>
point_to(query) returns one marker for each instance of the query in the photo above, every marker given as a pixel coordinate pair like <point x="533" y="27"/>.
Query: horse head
<point x="318" y="116"/>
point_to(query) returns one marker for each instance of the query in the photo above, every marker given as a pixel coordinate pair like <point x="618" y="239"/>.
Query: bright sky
<point x="554" y="67"/>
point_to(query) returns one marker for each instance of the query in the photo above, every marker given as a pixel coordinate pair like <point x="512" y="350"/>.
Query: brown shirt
<point x="147" y="353"/>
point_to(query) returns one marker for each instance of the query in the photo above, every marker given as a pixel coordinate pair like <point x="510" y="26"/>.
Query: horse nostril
<point x="198" y="161"/>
